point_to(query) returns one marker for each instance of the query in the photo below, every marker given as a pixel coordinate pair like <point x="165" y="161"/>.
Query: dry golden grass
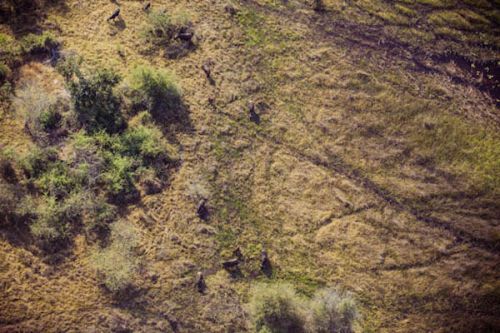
<point x="333" y="183"/>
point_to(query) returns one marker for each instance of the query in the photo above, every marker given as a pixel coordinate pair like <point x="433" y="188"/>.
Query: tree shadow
<point x="118" y="23"/>
<point x="172" y="115"/>
<point x="235" y="273"/>
<point x="26" y="16"/>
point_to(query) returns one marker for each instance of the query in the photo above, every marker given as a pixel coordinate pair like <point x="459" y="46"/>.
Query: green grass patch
<point x="449" y="19"/>
<point x="253" y="25"/>
<point x="465" y="148"/>
<point x="33" y="44"/>
<point x="405" y="10"/>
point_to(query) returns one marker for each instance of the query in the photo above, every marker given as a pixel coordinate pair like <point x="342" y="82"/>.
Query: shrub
<point x="87" y="157"/>
<point x="7" y="171"/>
<point x="34" y="44"/>
<point x="10" y="49"/>
<point x="43" y="113"/>
<point x="99" y="214"/>
<point x="331" y="312"/>
<point x="37" y="161"/>
<point x="96" y="104"/>
<point x="157" y="90"/>
<point x="69" y="66"/>
<point x="117" y="263"/>
<point x="160" y="27"/>
<point x="58" y="181"/>
<point x="50" y="222"/>
<point x="144" y="141"/>
<point x="276" y="309"/>
<point x="119" y="176"/>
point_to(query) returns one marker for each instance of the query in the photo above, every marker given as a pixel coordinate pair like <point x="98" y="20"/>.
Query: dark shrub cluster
<point x="95" y="102"/>
<point x="100" y="162"/>
<point x="156" y="91"/>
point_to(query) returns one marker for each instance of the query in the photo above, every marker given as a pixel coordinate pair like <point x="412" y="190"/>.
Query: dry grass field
<point x="374" y="166"/>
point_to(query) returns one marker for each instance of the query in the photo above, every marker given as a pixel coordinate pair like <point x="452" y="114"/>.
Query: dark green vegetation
<point x="89" y="160"/>
<point x="103" y="162"/>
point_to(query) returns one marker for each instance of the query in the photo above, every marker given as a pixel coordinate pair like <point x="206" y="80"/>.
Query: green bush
<point x="69" y="66"/>
<point x="37" y="161"/>
<point x="50" y="119"/>
<point x="96" y="104"/>
<point x="50" y="220"/>
<point x="10" y="49"/>
<point x="33" y="44"/>
<point x="160" y="27"/>
<point x="146" y="142"/>
<point x="119" y="177"/>
<point x="117" y="264"/>
<point x="157" y="90"/>
<point x="43" y="113"/>
<point x="59" y="180"/>
<point x="331" y="312"/>
<point x="276" y="309"/>
<point x="115" y="161"/>
<point x="99" y="214"/>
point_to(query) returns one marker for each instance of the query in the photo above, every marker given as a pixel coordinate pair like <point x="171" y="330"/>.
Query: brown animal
<point x="202" y="210"/>
<point x="115" y="14"/>
<point x="265" y="263"/>
<point x="231" y="264"/>
<point x="254" y="117"/>
<point x="237" y="253"/>
<point x="200" y="283"/>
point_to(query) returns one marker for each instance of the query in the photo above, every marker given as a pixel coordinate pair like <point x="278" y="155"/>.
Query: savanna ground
<point x="375" y="166"/>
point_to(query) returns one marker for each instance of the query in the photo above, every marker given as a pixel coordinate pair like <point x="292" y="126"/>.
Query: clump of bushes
<point x="36" y="44"/>
<point x="80" y="183"/>
<point x="47" y="117"/>
<point x="277" y="308"/>
<point x="173" y="33"/>
<point x="96" y="104"/>
<point x="117" y="264"/>
<point x="162" y="27"/>
<point x="329" y="311"/>
<point x="115" y="162"/>
<point x="156" y="90"/>
<point x="69" y="65"/>
<point x="51" y="221"/>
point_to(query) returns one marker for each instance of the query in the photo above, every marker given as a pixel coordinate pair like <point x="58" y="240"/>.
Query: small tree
<point x="331" y="312"/>
<point x="157" y="90"/>
<point x="117" y="264"/>
<point x="276" y="308"/>
<point x="95" y="102"/>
